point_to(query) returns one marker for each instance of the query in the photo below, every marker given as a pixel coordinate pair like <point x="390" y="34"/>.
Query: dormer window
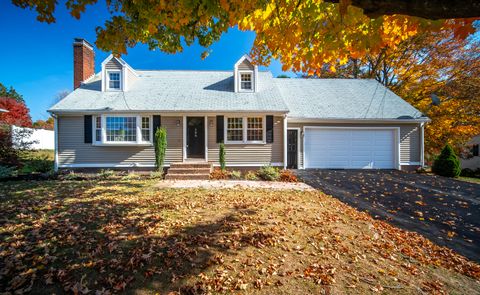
<point x="245" y="75"/>
<point x="246" y="81"/>
<point x="114" y="80"/>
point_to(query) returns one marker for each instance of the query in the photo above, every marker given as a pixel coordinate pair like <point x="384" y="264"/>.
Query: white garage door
<point x="349" y="148"/>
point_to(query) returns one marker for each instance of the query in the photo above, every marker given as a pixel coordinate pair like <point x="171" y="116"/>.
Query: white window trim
<point x="244" y="131"/>
<point x="138" y="142"/>
<point x="120" y="72"/>
<point x="252" y="74"/>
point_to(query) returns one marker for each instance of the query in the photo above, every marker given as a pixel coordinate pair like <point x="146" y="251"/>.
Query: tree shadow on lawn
<point x="86" y="242"/>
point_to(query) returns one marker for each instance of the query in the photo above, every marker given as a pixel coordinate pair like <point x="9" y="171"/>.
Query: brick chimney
<point x="83" y="61"/>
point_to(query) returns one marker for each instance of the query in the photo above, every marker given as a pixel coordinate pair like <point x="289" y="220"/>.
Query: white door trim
<point x="396" y="144"/>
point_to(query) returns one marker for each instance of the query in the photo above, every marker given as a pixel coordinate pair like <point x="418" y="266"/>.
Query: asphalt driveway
<point x="445" y="210"/>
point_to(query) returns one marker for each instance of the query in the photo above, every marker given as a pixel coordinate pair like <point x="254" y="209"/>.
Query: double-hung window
<point x="98" y="129"/>
<point x="245" y="130"/>
<point x="246" y="81"/>
<point x="255" y="129"/>
<point x="235" y="129"/>
<point x="114" y="80"/>
<point x="146" y="129"/>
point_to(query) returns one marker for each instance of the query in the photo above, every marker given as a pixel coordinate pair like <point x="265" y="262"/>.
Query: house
<point x="110" y="118"/>
<point x="473" y="160"/>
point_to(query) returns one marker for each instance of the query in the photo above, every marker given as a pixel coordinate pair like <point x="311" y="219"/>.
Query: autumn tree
<point x="44" y="124"/>
<point x="303" y="35"/>
<point x="18" y="114"/>
<point x="428" y="64"/>
<point x="10" y="92"/>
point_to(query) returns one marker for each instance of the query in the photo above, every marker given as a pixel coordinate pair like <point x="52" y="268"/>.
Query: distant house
<point x="110" y="118"/>
<point x="472" y="162"/>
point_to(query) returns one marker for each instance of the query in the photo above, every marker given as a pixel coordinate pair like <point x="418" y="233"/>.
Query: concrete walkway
<point x="234" y="184"/>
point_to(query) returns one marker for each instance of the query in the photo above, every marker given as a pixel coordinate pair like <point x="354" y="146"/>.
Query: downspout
<point x="422" y="142"/>
<point x="55" y="142"/>
<point x="284" y="141"/>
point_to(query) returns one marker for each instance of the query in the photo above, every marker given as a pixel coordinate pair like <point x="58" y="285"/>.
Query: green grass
<point x="469" y="179"/>
<point x="36" y="161"/>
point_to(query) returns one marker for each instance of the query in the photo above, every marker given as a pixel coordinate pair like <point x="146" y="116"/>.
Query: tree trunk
<point x="429" y="9"/>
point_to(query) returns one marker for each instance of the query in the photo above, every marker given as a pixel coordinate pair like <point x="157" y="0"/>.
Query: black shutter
<point x="269" y="131"/>
<point x="220" y="134"/>
<point x="157" y="122"/>
<point x="87" y="128"/>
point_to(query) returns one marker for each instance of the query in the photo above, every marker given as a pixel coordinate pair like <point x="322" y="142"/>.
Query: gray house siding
<point x="113" y="64"/>
<point x="245" y="65"/>
<point x="73" y="150"/>
<point x="410" y="142"/>
<point x="247" y="154"/>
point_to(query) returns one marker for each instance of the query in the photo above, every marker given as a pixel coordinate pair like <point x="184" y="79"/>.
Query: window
<point x="98" y="129"/>
<point x="145" y="128"/>
<point x="255" y="129"/>
<point x="245" y="130"/>
<point x="246" y="81"/>
<point x="121" y="129"/>
<point x="235" y="129"/>
<point x="114" y="80"/>
<point x="475" y="150"/>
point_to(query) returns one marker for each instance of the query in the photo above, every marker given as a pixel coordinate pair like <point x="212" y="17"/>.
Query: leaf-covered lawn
<point x="125" y="235"/>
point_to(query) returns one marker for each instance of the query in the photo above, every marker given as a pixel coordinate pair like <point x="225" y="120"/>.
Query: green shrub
<point x="156" y="174"/>
<point x="6" y="171"/>
<point x="251" y="175"/>
<point x="269" y="173"/>
<point x="42" y="164"/>
<point x="160" y="147"/>
<point x="447" y="163"/>
<point x="106" y="173"/>
<point x="467" y="172"/>
<point x="236" y="174"/>
<point x="221" y="156"/>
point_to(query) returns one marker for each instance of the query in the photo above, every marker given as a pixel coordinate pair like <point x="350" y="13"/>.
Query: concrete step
<point x="176" y="176"/>
<point x="189" y="170"/>
<point x="191" y="165"/>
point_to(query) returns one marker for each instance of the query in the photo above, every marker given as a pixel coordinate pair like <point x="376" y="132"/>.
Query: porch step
<point x="191" y="165"/>
<point x="189" y="170"/>
<point x="173" y="176"/>
<point x="192" y="170"/>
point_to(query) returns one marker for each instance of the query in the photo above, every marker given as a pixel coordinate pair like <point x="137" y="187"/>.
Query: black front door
<point x="195" y="137"/>
<point x="292" y="149"/>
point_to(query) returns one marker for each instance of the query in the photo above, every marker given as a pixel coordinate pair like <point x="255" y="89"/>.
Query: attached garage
<point x="351" y="147"/>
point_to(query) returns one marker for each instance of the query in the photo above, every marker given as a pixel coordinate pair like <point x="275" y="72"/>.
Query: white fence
<point x="42" y="139"/>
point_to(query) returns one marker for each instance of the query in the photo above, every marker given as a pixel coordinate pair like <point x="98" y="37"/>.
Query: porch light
<point x="210" y="123"/>
<point x="178" y="123"/>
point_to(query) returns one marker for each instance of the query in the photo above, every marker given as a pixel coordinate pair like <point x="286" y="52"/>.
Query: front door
<point x="292" y="149"/>
<point x="195" y="137"/>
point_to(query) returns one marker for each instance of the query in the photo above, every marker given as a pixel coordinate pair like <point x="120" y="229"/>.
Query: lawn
<point x="469" y="179"/>
<point x="125" y="235"/>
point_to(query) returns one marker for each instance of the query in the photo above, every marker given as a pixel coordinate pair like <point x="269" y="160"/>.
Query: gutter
<point x="350" y="120"/>
<point x="209" y="112"/>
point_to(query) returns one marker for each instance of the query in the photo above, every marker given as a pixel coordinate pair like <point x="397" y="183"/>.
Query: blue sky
<point x="36" y="58"/>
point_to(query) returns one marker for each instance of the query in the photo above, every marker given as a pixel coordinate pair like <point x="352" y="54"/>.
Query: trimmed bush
<point x="6" y="172"/>
<point x="235" y="174"/>
<point x="269" y="173"/>
<point x="221" y="156"/>
<point x="288" y="176"/>
<point x="160" y="147"/>
<point x="447" y="163"/>
<point x="219" y="174"/>
<point x="251" y="175"/>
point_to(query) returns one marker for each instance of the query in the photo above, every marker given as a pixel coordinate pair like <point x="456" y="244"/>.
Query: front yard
<point x="127" y="235"/>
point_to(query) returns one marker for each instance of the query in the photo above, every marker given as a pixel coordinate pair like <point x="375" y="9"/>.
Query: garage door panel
<point x="349" y="148"/>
